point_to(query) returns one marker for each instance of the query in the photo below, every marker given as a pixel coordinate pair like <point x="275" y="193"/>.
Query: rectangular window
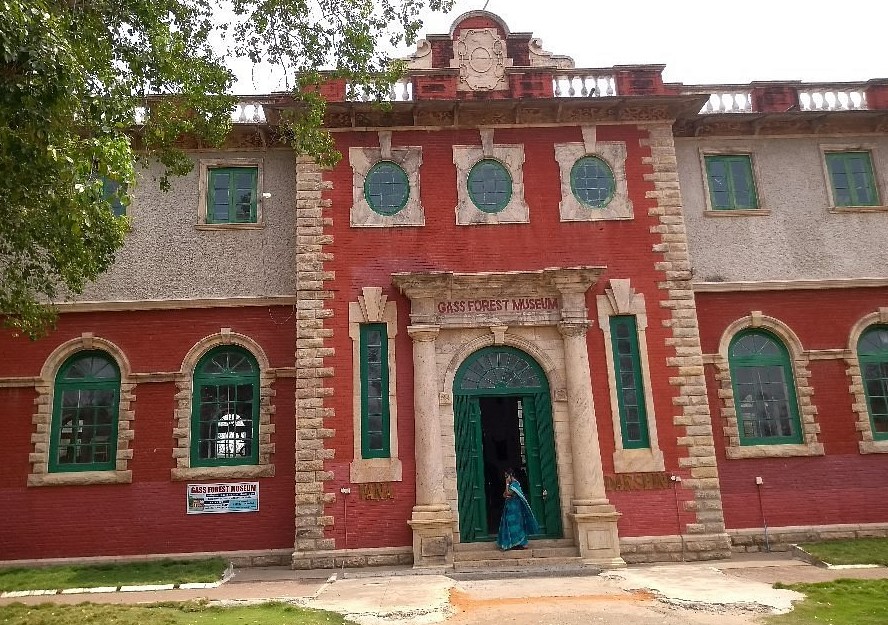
<point x="374" y="391"/>
<point x="110" y="190"/>
<point x="630" y="389"/>
<point x="731" y="184"/>
<point x="852" y="180"/>
<point x="231" y="195"/>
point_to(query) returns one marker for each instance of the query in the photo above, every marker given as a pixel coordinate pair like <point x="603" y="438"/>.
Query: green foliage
<point x="91" y="88"/>
<point x="123" y="574"/>
<point x="190" y="613"/>
<point x="857" y="551"/>
<point x="842" y="602"/>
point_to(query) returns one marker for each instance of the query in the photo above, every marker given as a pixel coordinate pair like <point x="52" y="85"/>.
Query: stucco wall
<point x="167" y="257"/>
<point x="800" y="239"/>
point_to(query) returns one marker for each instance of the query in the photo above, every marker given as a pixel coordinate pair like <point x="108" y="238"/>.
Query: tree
<point x="91" y="88"/>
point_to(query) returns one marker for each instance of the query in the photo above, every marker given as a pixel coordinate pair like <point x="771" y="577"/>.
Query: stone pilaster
<point x="312" y="369"/>
<point x="686" y="363"/>
<point x="432" y="519"/>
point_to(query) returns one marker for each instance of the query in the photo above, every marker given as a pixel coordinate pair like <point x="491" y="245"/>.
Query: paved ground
<point x="734" y="592"/>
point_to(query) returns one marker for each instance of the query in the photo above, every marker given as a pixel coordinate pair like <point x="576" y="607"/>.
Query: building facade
<point x="665" y="306"/>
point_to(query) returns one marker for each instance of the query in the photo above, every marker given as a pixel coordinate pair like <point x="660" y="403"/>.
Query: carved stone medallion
<point x="480" y="55"/>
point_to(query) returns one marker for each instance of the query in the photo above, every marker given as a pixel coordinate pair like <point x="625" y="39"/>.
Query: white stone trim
<point x="864" y="424"/>
<point x="621" y="299"/>
<point x="732" y="149"/>
<point x="512" y="158"/>
<point x="362" y="160"/>
<point x="177" y="304"/>
<point x="42" y="419"/>
<point x="789" y="285"/>
<point x="203" y="167"/>
<point x="373" y="307"/>
<point x="182" y="416"/>
<point x="611" y="152"/>
<point x="799" y="360"/>
<point x="878" y="178"/>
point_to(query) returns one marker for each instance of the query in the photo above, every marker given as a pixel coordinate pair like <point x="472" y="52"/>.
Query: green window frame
<point x="225" y="409"/>
<point x="232" y="196"/>
<point x="386" y="188"/>
<point x="85" y="412"/>
<point x="851" y="178"/>
<point x="764" y="389"/>
<point x="592" y="182"/>
<point x="375" y="417"/>
<point x="731" y="182"/>
<point x="629" y="381"/>
<point x="872" y="352"/>
<point x="490" y="185"/>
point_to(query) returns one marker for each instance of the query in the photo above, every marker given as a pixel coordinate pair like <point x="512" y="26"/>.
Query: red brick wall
<point x="843" y="486"/>
<point x="147" y="516"/>
<point x="368" y="257"/>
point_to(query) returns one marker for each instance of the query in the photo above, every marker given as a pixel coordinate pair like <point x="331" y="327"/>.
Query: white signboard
<point x="219" y="498"/>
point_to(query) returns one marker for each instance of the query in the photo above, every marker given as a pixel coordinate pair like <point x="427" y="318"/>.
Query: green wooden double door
<point x="503" y="420"/>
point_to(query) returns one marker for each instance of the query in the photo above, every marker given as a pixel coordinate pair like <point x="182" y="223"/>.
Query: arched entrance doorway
<point x="503" y="419"/>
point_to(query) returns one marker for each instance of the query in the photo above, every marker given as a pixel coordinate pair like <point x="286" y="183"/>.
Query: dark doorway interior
<point x="502" y="437"/>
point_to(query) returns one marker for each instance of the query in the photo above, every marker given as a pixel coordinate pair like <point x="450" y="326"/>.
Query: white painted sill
<point x="256" y="226"/>
<point x="838" y="210"/>
<point x="244" y="472"/>
<point x="80" y="478"/>
<point x="755" y="212"/>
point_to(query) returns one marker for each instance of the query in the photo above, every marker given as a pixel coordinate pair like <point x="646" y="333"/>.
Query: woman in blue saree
<point x="517" y="522"/>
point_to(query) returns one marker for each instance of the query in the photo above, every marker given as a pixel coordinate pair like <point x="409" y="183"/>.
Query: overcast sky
<point x="699" y="42"/>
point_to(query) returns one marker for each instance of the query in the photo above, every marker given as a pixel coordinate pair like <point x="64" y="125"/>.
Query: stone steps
<point x="547" y="557"/>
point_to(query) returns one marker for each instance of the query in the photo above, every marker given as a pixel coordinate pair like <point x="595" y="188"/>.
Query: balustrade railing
<point x="832" y="99"/>
<point x="724" y="101"/>
<point x="584" y="85"/>
<point x="248" y="112"/>
<point x="401" y="91"/>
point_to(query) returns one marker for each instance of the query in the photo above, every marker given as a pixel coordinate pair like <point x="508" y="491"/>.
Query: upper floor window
<point x="225" y="413"/>
<point x="490" y="185"/>
<point x="630" y="389"/>
<point x="872" y="350"/>
<point x="851" y="178"/>
<point x="592" y="182"/>
<point x="232" y="195"/>
<point x="764" y="389"/>
<point x="386" y="188"/>
<point x="731" y="183"/>
<point x="111" y="190"/>
<point x="85" y="414"/>
<point x="375" y="434"/>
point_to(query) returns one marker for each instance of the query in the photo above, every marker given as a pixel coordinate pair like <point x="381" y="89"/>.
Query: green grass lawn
<point x="857" y="551"/>
<point x="190" y="613"/>
<point x="842" y="602"/>
<point x="91" y="576"/>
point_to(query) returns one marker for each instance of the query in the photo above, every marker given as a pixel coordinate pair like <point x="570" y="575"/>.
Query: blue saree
<point x="517" y="522"/>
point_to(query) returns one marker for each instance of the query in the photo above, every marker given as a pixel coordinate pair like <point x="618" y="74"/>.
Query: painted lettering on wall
<point x="505" y="304"/>
<point x="637" y="481"/>
<point x="376" y="491"/>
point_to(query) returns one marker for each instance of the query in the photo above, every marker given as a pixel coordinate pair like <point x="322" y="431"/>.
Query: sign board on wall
<point x="220" y="498"/>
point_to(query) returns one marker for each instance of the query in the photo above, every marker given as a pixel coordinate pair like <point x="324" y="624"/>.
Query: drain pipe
<point x="346" y="491"/>
<point x="676" y="480"/>
<point x="758" y="486"/>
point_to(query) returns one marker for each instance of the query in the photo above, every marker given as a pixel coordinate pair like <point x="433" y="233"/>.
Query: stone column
<point x="594" y="518"/>
<point x="432" y="519"/>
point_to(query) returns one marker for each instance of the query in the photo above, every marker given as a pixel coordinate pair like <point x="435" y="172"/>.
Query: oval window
<point x="592" y="182"/>
<point x="386" y="188"/>
<point x="490" y="186"/>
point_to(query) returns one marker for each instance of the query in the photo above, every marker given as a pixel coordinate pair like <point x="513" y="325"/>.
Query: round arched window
<point x="592" y="182"/>
<point x="386" y="188"/>
<point x="490" y="185"/>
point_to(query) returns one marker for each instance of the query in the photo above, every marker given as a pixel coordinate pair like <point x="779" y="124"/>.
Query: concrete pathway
<point x="733" y="592"/>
